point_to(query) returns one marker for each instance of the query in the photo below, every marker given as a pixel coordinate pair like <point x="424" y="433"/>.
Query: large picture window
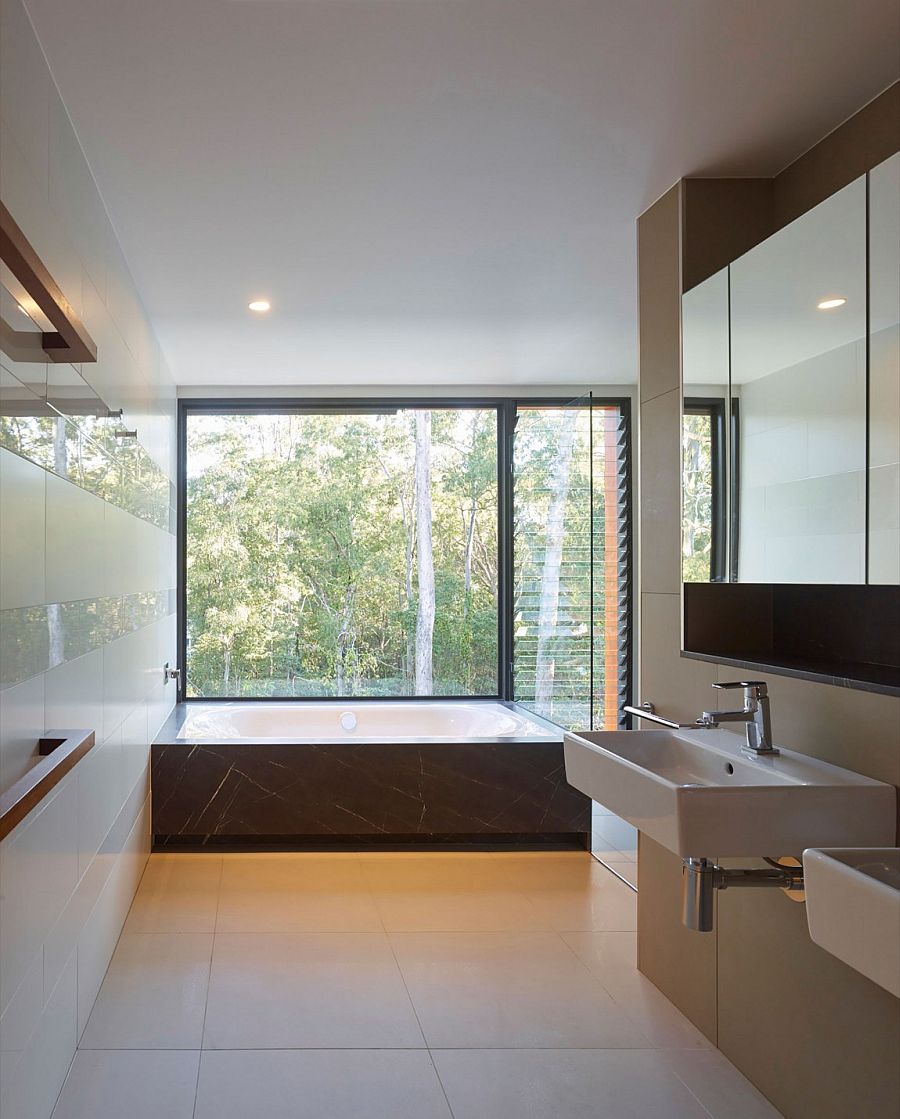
<point x="391" y="549"/>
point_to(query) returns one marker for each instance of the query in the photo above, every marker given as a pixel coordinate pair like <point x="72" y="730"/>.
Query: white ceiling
<point x="430" y="191"/>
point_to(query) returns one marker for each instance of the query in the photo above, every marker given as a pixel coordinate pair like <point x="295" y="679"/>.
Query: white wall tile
<point x="19" y="1020"/>
<point x="21" y="725"/>
<point x="74" y="695"/>
<point x="39" y="873"/>
<point x="39" y="1074"/>
<point x="135" y="746"/>
<point x="101" y="790"/>
<point x="74" y="561"/>
<point x="101" y="930"/>
<point x="69" y="871"/>
<point x="21" y="531"/>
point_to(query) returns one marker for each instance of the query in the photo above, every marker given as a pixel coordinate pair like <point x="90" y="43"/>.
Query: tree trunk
<point x="408" y="584"/>
<point x="54" y="614"/>
<point x="55" y="633"/>
<point x="425" y="614"/>
<point x="469" y="526"/>
<point x="60" y="450"/>
<point x="344" y="642"/>
<point x="548" y="610"/>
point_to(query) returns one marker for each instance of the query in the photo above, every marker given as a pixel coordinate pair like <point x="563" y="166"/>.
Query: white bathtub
<point x="380" y="721"/>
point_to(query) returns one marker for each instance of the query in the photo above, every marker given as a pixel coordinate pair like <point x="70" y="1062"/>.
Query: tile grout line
<point x="651" y="1048"/>
<point x="418" y="1021"/>
<point x="212" y="953"/>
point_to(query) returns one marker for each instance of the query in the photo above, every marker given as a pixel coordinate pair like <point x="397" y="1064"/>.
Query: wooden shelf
<point x="60" y="751"/>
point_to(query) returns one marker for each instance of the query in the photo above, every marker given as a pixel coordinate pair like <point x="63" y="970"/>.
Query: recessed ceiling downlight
<point x="830" y="304"/>
<point x="260" y="306"/>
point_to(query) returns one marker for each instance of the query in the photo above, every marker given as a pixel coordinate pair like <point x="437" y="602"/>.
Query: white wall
<point x="86" y="549"/>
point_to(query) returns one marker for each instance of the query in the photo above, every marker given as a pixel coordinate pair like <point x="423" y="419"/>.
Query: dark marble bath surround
<point x="359" y="793"/>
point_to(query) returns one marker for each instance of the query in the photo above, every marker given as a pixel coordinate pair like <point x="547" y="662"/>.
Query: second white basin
<point x="853" y="909"/>
<point x="699" y="794"/>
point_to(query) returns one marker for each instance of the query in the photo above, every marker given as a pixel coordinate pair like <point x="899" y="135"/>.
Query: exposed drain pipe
<point x="700" y="879"/>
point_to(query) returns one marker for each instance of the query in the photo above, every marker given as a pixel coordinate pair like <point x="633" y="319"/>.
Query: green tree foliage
<point x="696" y="488"/>
<point x="302" y="559"/>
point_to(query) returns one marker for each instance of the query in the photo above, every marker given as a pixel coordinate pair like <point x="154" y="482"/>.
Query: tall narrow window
<point x="341" y="553"/>
<point x="570" y="638"/>
<point x="702" y="486"/>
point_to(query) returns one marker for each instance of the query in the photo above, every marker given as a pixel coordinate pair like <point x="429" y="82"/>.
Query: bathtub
<point x="379" y="721"/>
<point x="357" y="773"/>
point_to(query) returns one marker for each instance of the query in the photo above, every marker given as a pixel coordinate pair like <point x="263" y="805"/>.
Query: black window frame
<point x="725" y="484"/>
<point x="506" y="409"/>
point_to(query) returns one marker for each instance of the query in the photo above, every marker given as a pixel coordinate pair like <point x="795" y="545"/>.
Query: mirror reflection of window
<point x="704" y="536"/>
<point x="703" y="523"/>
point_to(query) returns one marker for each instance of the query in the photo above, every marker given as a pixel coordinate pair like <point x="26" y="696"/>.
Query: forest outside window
<point x="393" y="549"/>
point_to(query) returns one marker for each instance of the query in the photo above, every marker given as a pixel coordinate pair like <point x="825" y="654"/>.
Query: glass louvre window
<point x="570" y="636"/>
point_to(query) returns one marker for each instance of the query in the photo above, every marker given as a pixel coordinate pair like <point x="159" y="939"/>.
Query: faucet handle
<point x="759" y="688"/>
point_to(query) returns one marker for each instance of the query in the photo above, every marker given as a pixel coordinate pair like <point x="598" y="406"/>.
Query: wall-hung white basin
<point x="699" y="794"/>
<point x="853" y="908"/>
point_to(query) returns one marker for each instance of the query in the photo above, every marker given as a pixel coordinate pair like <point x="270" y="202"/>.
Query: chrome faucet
<point x="755" y="713"/>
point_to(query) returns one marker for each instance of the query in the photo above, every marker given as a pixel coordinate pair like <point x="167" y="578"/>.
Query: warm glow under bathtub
<point x="354" y="773"/>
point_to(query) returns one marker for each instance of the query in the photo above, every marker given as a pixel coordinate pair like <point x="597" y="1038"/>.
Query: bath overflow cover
<point x="348" y="720"/>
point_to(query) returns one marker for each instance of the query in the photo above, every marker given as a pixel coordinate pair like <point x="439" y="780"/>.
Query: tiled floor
<point x="390" y="986"/>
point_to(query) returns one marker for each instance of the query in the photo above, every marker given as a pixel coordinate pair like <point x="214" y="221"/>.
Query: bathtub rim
<point x="168" y="732"/>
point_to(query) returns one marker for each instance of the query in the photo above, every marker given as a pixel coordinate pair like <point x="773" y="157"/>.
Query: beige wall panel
<point x="812" y="1034"/>
<point x="681" y="963"/>
<point x="659" y="275"/>
<point x="660" y="487"/>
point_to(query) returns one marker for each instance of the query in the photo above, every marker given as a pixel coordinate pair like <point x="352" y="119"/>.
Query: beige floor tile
<point x="129" y="1084"/>
<point x="437" y="872"/>
<point x="154" y="993"/>
<point x="458" y="893"/>
<point x="625" y="868"/>
<point x="307" y="990"/>
<point x="717" y="1084"/>
<point x="507" y="990"/>
<point x="565" y="890"/>
<point x="605" y="905"/>
<point x="322" y="1084"/>
<point x="295" y="893"/>
<point x="611" y="957"/>
<point x="563" y="1084"/>
<point x="178" y="893"/>
<point x="535" y="872"/>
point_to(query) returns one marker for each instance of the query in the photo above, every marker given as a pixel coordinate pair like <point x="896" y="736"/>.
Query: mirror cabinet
<point x="791" y="439"/>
